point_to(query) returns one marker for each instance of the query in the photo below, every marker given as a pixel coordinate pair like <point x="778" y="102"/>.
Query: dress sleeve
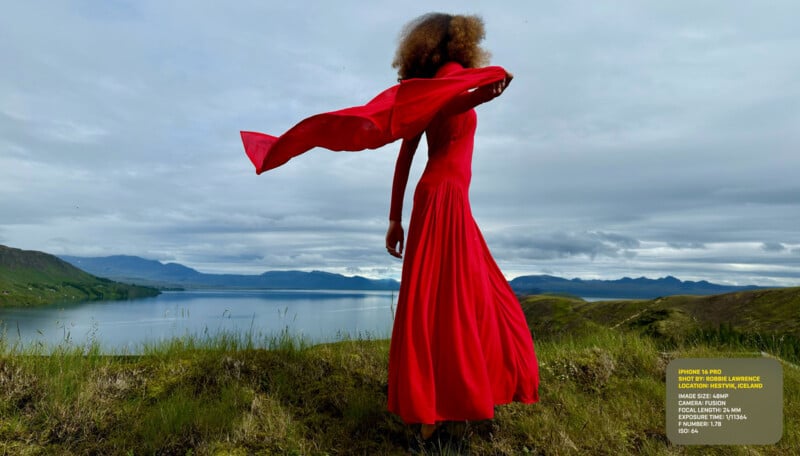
<point x="401" y="171"/>
<point x="418" y="100"/>
<point x="467" y="100"/>
<point x="401" y="111"/>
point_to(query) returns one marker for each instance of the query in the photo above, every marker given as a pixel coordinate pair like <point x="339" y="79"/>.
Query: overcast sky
<point x="637" y="139"/>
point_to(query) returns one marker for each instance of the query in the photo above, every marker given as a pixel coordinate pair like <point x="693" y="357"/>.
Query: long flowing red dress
<point x="460" y="343"/>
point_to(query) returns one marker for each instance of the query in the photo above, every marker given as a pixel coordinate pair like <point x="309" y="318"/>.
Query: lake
<point x="125" y="326"/>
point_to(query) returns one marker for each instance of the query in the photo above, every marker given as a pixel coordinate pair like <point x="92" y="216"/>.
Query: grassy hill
<point x="29" y="278"/>
<point x="602" y="393"/>
<point x="761" y="319"/>
<point x="771" y="310"/>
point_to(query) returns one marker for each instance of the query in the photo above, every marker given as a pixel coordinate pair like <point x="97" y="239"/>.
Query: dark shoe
<point x="442" y="441"/>
<point x="420" y="445"/>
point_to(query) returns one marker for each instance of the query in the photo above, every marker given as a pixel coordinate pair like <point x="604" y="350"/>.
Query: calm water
<point x="125" y="326"/>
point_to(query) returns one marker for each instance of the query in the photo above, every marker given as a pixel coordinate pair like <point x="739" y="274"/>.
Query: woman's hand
<point x="394" y="239"/>
<point x="499" y="86"/>
<point x="491" y="91"/>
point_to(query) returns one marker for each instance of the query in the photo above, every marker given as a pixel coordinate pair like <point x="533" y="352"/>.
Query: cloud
<point x="564" y="245"/>
<point x="773" y="247"/>
<point x="686" y="245"/>
<point x="637" y="139"/>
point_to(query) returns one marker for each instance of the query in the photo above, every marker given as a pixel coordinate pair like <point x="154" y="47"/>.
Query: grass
<point x="602" y="389"/>
<point x="602" y="393"/>
<point x="760" y="320"/>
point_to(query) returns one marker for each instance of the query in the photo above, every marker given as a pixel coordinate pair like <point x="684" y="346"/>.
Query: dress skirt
<point x="460" y="342"/>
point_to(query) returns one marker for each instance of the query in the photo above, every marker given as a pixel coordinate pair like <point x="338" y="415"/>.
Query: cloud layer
<point x="639" y="138"/>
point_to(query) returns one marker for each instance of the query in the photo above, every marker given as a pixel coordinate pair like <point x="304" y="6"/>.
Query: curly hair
<point x="433" y="39"/>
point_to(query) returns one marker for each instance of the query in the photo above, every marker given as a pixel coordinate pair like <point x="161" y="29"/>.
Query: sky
<point x="638" y="138"/>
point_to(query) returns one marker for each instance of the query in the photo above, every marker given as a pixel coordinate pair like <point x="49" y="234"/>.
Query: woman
<point x="460" y="343"/>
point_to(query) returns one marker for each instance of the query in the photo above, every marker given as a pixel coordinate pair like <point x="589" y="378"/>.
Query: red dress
<point x="460" y="343"/>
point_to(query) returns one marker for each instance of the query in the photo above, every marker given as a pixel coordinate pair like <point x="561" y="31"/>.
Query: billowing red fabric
<point x="401" y="111"/>
<point x="460" y="343"/>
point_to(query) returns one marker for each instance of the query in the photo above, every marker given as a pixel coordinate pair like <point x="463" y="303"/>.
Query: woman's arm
<point x="468" y="100"/>
<point x="395" y="234"/>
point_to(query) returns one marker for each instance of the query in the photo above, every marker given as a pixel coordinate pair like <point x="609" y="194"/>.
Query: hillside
<point x="29" y="278"/>
<point x="761" y="319"/>
<point x="602" y="393"/>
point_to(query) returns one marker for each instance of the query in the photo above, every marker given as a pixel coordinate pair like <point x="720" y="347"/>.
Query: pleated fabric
<point x="460" y="342"/>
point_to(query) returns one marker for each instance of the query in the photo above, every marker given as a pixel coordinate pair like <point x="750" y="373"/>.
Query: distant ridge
<point x="133" y="269"/>
<point x="29" y="278"/>
<point x="625" y="288"/>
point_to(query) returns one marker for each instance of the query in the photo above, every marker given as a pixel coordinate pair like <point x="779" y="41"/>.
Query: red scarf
<point x="401" y="111"/>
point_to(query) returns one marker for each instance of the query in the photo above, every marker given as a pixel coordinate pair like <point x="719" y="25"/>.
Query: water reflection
<point x="125" y="326"/>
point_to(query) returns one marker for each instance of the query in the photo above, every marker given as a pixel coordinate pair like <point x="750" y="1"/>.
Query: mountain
<point x="134" y="269"/>
<point x="641" y="288"/>
<point x="30" y="278"/>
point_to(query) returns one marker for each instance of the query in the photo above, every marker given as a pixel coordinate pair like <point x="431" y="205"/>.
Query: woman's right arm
<point x="468" y="100"/>
<point x="395" y="234"/>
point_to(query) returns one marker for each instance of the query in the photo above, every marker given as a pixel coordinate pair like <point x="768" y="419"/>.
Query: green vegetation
<point x="764" y="320"/>
<point x="602" y="392"/>
<point x="30" y="278"/>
